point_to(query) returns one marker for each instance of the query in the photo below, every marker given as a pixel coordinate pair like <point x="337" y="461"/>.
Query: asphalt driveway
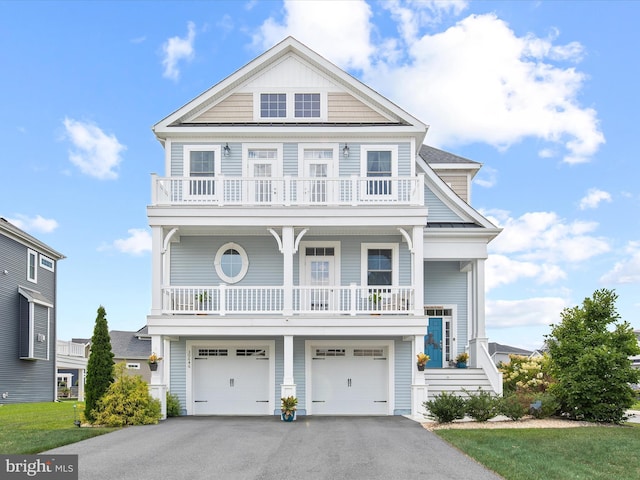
<point x="266" y="448"/>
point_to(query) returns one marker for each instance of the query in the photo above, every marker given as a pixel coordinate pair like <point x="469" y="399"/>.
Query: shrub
<point x="549" y="405"/>
<point x="173" y="405"/>
<point x="512" y="407"/>
<point x="524" y="374"/>
<point x="127" y="402"/>
<point x="481" y="406"/>
<point x="445" y="408"/>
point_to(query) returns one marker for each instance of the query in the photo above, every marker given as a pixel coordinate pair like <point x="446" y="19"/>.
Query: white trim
<point x="454" y="327"/>
<point x="262" y="146"/>
<point x="245" y="262"/>
<point x="395" y="262"/>
<point x="364" y="149"/>
<point x="309" y="345"/>
<point x="191" y="344"/>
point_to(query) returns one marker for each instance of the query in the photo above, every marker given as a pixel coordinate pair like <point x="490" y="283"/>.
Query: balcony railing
<point x="348" y="191"/>
<point x="70" y="349"/>
<point x="337" y="300"/>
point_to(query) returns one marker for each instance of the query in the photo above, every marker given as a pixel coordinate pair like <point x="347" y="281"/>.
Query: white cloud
<point x="137" y="243"/>
<point x="476" y="81"/>
<point x="339" y="31"/>
<point x="527" y="312"/>
<point x="37" y="224"/>
<point x="593" y="198"/>
<point x="177" y="49"/>
<point x="502" y="270"/>
<point x="96" y="153"/>
<point x="626" y="271"/>
<point x="544" y="236"/>
<point x="487" y="178"/>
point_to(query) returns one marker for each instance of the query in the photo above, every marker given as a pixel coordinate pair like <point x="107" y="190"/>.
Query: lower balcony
<point x="297" y="300"/>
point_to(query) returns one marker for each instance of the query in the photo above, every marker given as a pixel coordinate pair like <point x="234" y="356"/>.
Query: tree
<point x="100" y="366"/>
<point x="590" y="352"/>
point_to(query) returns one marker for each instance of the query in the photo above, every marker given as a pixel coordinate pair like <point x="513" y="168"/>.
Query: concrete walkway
<point x="265" y="448"/>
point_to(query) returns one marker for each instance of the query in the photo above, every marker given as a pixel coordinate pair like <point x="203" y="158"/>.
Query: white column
<point x="156" y="270"/>
<point x="418" y="269"/>
<point x="479" y="274"/>
<point x="157" y="385"/>
<point x="288" y="387"/>
<point x="287" y="259"/>
<point x="479" y="334"/>
<point x="418" y="384"/>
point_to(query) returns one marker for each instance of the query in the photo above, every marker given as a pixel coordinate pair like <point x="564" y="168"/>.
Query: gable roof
<point x="507" y="349"/>
<point x="288" y="50"/>
<point x="433" y="155"/>
<point x="11" y="231"/>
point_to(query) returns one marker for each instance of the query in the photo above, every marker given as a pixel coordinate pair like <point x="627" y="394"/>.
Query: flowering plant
<point x="289" y="405"/>
<point x="462" y="358"/>
<point x="153" y="358"/>
<point x="423" y="358"/>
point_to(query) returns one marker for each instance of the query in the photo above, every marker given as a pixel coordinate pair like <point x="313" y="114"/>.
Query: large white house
<point x="307" y="243"/>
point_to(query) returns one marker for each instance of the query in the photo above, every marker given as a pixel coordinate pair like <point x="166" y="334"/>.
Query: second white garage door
<point x="231" y="380"/>
<point x="349" y="380"/>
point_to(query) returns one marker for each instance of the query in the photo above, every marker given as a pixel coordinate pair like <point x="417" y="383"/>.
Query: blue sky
<point x="543" y="93"/>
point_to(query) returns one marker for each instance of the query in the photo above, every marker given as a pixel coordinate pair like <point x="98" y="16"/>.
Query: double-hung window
<point x="201" y="164"/>
<point x="380" y="266"/>
<point x="32" y="266"/>
<point x="379" y="164"/>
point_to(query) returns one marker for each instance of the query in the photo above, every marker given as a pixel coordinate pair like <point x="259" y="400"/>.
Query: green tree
<point x="100" y="366"/>
<point x="590" y="362"/>
<point x="127" y="402"/>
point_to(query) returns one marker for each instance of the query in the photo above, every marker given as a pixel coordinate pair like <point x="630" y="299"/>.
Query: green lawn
<point x="591" y="453"/>
<point x="30" y="428"/>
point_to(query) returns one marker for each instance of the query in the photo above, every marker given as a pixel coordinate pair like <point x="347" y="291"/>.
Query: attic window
<point x="307" y="105"/>
<point x="273" y="105"/>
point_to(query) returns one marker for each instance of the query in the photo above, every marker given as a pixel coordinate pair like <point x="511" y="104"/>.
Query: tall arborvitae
<point x="100" y="367"/>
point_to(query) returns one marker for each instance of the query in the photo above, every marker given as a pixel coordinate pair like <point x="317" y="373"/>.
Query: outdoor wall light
<point x="226" y="151"/>
<point x="345" y="150"/>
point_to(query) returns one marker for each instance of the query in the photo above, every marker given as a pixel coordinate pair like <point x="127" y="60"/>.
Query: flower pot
<point x="420" y="367"/>
<point x="461" y="365"/>
<point x="289" y="418"/>
<point x="153" y="366"/>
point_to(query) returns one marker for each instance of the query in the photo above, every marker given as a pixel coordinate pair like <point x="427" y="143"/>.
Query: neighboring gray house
<point x="28" y="288"/>
<point x="133" y="348"/>
<point x="306" y="242"/>
<point x="636" y="359"/>
<point x="500" y="353"/>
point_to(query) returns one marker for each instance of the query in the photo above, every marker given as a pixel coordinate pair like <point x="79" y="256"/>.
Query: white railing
<point x="341" y="300"/>
<point x="70" y="349"/>
<point x="348" y="191"/>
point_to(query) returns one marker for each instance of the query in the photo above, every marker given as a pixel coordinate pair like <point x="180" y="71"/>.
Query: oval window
<point x="231" y="263"/>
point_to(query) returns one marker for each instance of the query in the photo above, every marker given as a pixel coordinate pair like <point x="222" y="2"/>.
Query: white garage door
<point x="231" y="380"/>
<point x="350" y="380"/>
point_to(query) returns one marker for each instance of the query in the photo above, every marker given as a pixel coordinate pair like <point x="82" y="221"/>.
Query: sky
<point x="544" y="94"/>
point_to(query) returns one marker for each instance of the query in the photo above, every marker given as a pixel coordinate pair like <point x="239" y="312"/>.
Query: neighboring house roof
<point x="433" y="155"/>
<point x="130" y="345"/>
<point x="11" y="231"/>
<point x="507" y="349"/>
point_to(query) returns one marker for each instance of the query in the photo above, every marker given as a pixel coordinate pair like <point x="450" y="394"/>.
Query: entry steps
<point x="455" y="380"/>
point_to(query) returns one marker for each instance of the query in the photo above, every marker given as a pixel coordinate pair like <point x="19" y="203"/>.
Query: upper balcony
<point x="288" y="191"/>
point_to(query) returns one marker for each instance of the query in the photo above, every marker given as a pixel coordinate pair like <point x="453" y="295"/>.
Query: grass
<point x="636" y="406"/>
<point x="29" y="428"/>
<point x="592" y="453"/>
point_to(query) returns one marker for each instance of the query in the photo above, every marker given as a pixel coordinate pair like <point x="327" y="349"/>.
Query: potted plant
<point x="288" y="408"/>
<point x="375" y="298"/>
<point x="461" y="360"/>
<point x="153" y="361"/>
<point x="423" y="358"/>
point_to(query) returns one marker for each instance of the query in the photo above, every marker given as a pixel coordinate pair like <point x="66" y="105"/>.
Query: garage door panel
<point x="236" y="382"/>
<point x="350" y="381"/>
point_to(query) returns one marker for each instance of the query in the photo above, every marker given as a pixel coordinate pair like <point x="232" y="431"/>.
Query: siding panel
<point x="237" y="107"/>
<point x="178" y="373"/>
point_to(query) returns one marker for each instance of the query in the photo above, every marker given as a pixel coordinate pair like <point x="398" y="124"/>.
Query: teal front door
<point x="433" y="343"/>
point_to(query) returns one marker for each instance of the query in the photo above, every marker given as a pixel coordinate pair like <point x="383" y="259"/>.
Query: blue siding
<point x="438" y="211"/>
<point x="231" y="165"/>
<point x="444" y="283"/>
<point x="290" y="159"/>
<point x="177" y="373"/>
<point x="403" y="372"/>
<point x="299" y="374"/>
